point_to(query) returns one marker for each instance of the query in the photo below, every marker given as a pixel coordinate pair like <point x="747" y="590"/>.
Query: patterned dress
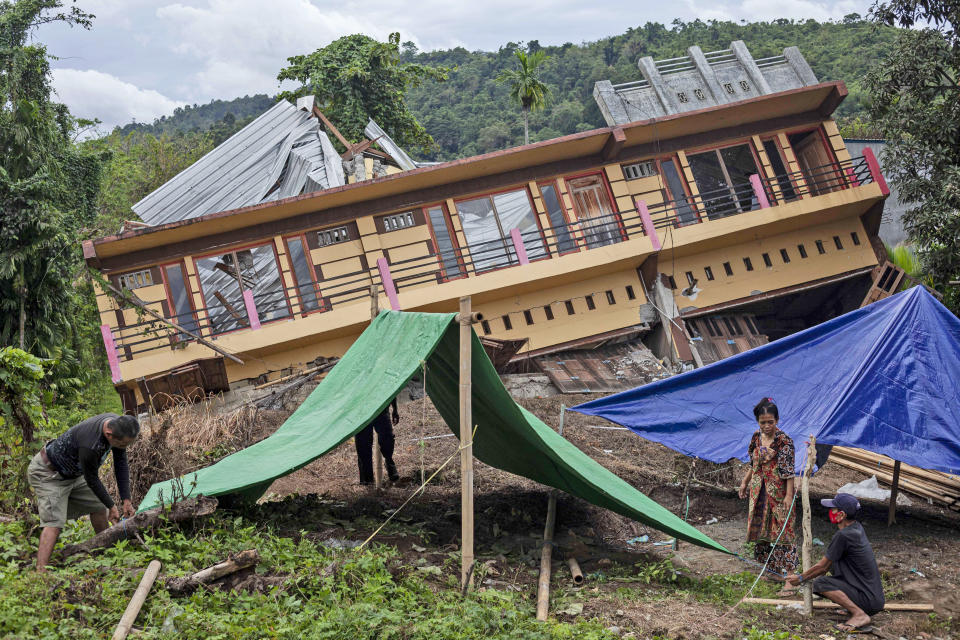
<point x="772" y="466"/>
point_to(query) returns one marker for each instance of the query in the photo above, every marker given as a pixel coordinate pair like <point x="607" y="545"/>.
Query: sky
<point x="142" y="59"/>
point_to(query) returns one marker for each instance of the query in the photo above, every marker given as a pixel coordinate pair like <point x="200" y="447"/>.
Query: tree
<point x="48" y="188"/>
<point x="356" y="78"/>
<point x="526" y="88"/>
<point x="915" y="103"/>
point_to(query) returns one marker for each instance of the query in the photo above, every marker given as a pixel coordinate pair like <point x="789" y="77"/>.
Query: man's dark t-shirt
<point x="81" y="449"/>
<point x="854" y="564"/>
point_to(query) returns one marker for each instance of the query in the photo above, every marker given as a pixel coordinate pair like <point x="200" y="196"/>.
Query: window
<point x="751" y="325"/>
<point x="630" y="294"/>
<point x="784" y="256"/>
<point x="558" y="221"/>
<point x="450" y="261"/>
<point x="820" y="248"/>
<point x="548" y="310"/>
<point x="778" y="165"/>
<point x="684" y="212"/>
<point x="732" y="326"/>
<point x="485" y="325"/>
<point x="224" y="278"/>
<point x="766" y="260"/>
<point x="723" y="178"/>
<point x="506" y="323"/>
<point x="596" y="214"/>
<point x="136" y="279"/>
<point x="336" y="235"/>
<point x="303" y="272"/>
<point x="528" y="317"/>
<point x="855" y="238"/>
<point x="748" y="264"/>
<point x="690" y="278"/>
<point x="803" y="250"/>
<point x="727" y="268"/>
<point x="487" y="223"/>
<point x="638" y="170"/>
<point x="569" y="306"/>
<point x="610" y="298"/>
<point x="590" y="304"/>
<point x="179" y="297"/>
<point x="398" y="221"/>
<point x="836" y="241"/>
<point x="672" y="282"/>
<point x="716" y="327"/>
<point x="708" y="272"/>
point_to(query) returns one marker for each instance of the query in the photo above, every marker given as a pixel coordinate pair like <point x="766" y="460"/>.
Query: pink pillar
<point x="852" y="177"/>
<point x="648" y="227"/>
<point x="251" y="306"/>
<point x="759" y="191"/>
<point x="388" y="286"/>
<point x="875" y="170"/>
<point x="111" y="348"/>
<point x="518" y="246"/>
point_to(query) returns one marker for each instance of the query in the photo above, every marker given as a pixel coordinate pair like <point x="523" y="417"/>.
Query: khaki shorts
<point x="60" y="499"/>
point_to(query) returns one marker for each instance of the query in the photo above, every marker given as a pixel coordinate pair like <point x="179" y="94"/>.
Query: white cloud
<point x="94" y="94"/>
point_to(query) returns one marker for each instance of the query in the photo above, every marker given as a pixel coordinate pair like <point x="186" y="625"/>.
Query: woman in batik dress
<point x="769" y="482"/>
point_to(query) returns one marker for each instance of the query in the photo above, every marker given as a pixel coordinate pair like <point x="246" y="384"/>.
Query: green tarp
<point x="371" y="373"/>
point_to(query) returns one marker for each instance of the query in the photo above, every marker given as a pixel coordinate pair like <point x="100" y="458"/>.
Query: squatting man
<point x="65" y="477"/>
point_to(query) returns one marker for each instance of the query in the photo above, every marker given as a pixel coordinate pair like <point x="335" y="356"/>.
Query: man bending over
<point x="855" y="584"/>
<point x="65" y="477"/>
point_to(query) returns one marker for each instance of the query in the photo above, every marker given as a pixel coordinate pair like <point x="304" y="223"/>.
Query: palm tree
<point x="526" y="88"/>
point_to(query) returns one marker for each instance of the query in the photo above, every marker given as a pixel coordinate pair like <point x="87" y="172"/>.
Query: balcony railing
<point x="250" y="310"/>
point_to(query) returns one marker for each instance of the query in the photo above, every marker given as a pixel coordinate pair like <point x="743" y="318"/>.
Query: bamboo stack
<point x="942" y="488"/>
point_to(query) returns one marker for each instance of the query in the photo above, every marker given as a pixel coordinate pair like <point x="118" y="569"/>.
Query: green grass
<point x="370" y="593"/>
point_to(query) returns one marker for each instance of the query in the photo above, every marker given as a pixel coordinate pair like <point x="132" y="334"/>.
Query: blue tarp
<point x="885" y="378"/>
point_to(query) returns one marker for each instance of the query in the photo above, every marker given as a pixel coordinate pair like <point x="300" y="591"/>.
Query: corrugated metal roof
<point x="378" y="135"/>
<point x="282" y="153"/>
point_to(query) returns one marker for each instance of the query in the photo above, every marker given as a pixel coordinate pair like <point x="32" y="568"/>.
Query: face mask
<point x="836" y="517"/>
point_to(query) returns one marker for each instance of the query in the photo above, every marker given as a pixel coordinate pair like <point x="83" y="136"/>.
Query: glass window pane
<point x="685" y="213"/>
<point x="779" y="169"/>
<point x="479" y="220"/>
<point x="557" y="220"/>
<point x="301" y="269"/>
<point x="448" y="253"/>
<point x="740" y="165"/>
<point x="260" y="273"/>
<point x="712" y="184"/>
<point x="180" y="299"/>
<point x="515" y="212"/>
<point x="221" y="291"/>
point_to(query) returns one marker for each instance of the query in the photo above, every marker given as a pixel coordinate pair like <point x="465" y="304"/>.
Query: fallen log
<point x="130" y="527"/>
<point x="826" y="604"/>
<point x="189" y="584"/>
<point x="136" y="602"/>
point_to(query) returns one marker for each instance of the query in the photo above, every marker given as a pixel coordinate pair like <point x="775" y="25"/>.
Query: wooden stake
<point x="466" y="442"/>
<point x="150" y="312"/>
<point x="546" y="552"/>
<point x="126" y="622"/>
<point x="894" y="490"/>
<point x="807" y="549"/>
<point x="378" y="467"/>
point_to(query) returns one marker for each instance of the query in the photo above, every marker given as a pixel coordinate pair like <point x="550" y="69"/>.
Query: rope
<point x="419" y="489"/>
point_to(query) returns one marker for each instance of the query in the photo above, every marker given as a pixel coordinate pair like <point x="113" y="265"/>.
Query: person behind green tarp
<point x="364" y="442"/>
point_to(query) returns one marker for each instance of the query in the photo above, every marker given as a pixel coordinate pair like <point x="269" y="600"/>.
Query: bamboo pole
<point x="171" y="323"/>
<point x="894" y="490"/>
<point x="826" y="604"/>
<point x="378" y="467"/>
<point x="466" y="443"/>
<point x="913" y="486"/>
<point x="886" y="464"/>
<point x="546" y="552"/>
<point x="139" y="596"/>
<point x="575" y="571"/>
<point x="807" y="549"/>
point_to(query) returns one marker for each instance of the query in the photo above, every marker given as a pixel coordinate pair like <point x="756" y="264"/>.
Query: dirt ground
<point x="918" y="556"/>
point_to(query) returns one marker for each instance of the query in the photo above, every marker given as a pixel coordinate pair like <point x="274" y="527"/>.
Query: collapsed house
<point x="719" y="209"/>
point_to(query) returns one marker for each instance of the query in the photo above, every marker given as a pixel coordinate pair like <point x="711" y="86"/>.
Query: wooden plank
<point x="826" y="604"/>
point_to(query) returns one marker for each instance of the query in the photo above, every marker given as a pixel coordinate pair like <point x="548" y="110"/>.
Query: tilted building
<point x="718" y="209"/>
